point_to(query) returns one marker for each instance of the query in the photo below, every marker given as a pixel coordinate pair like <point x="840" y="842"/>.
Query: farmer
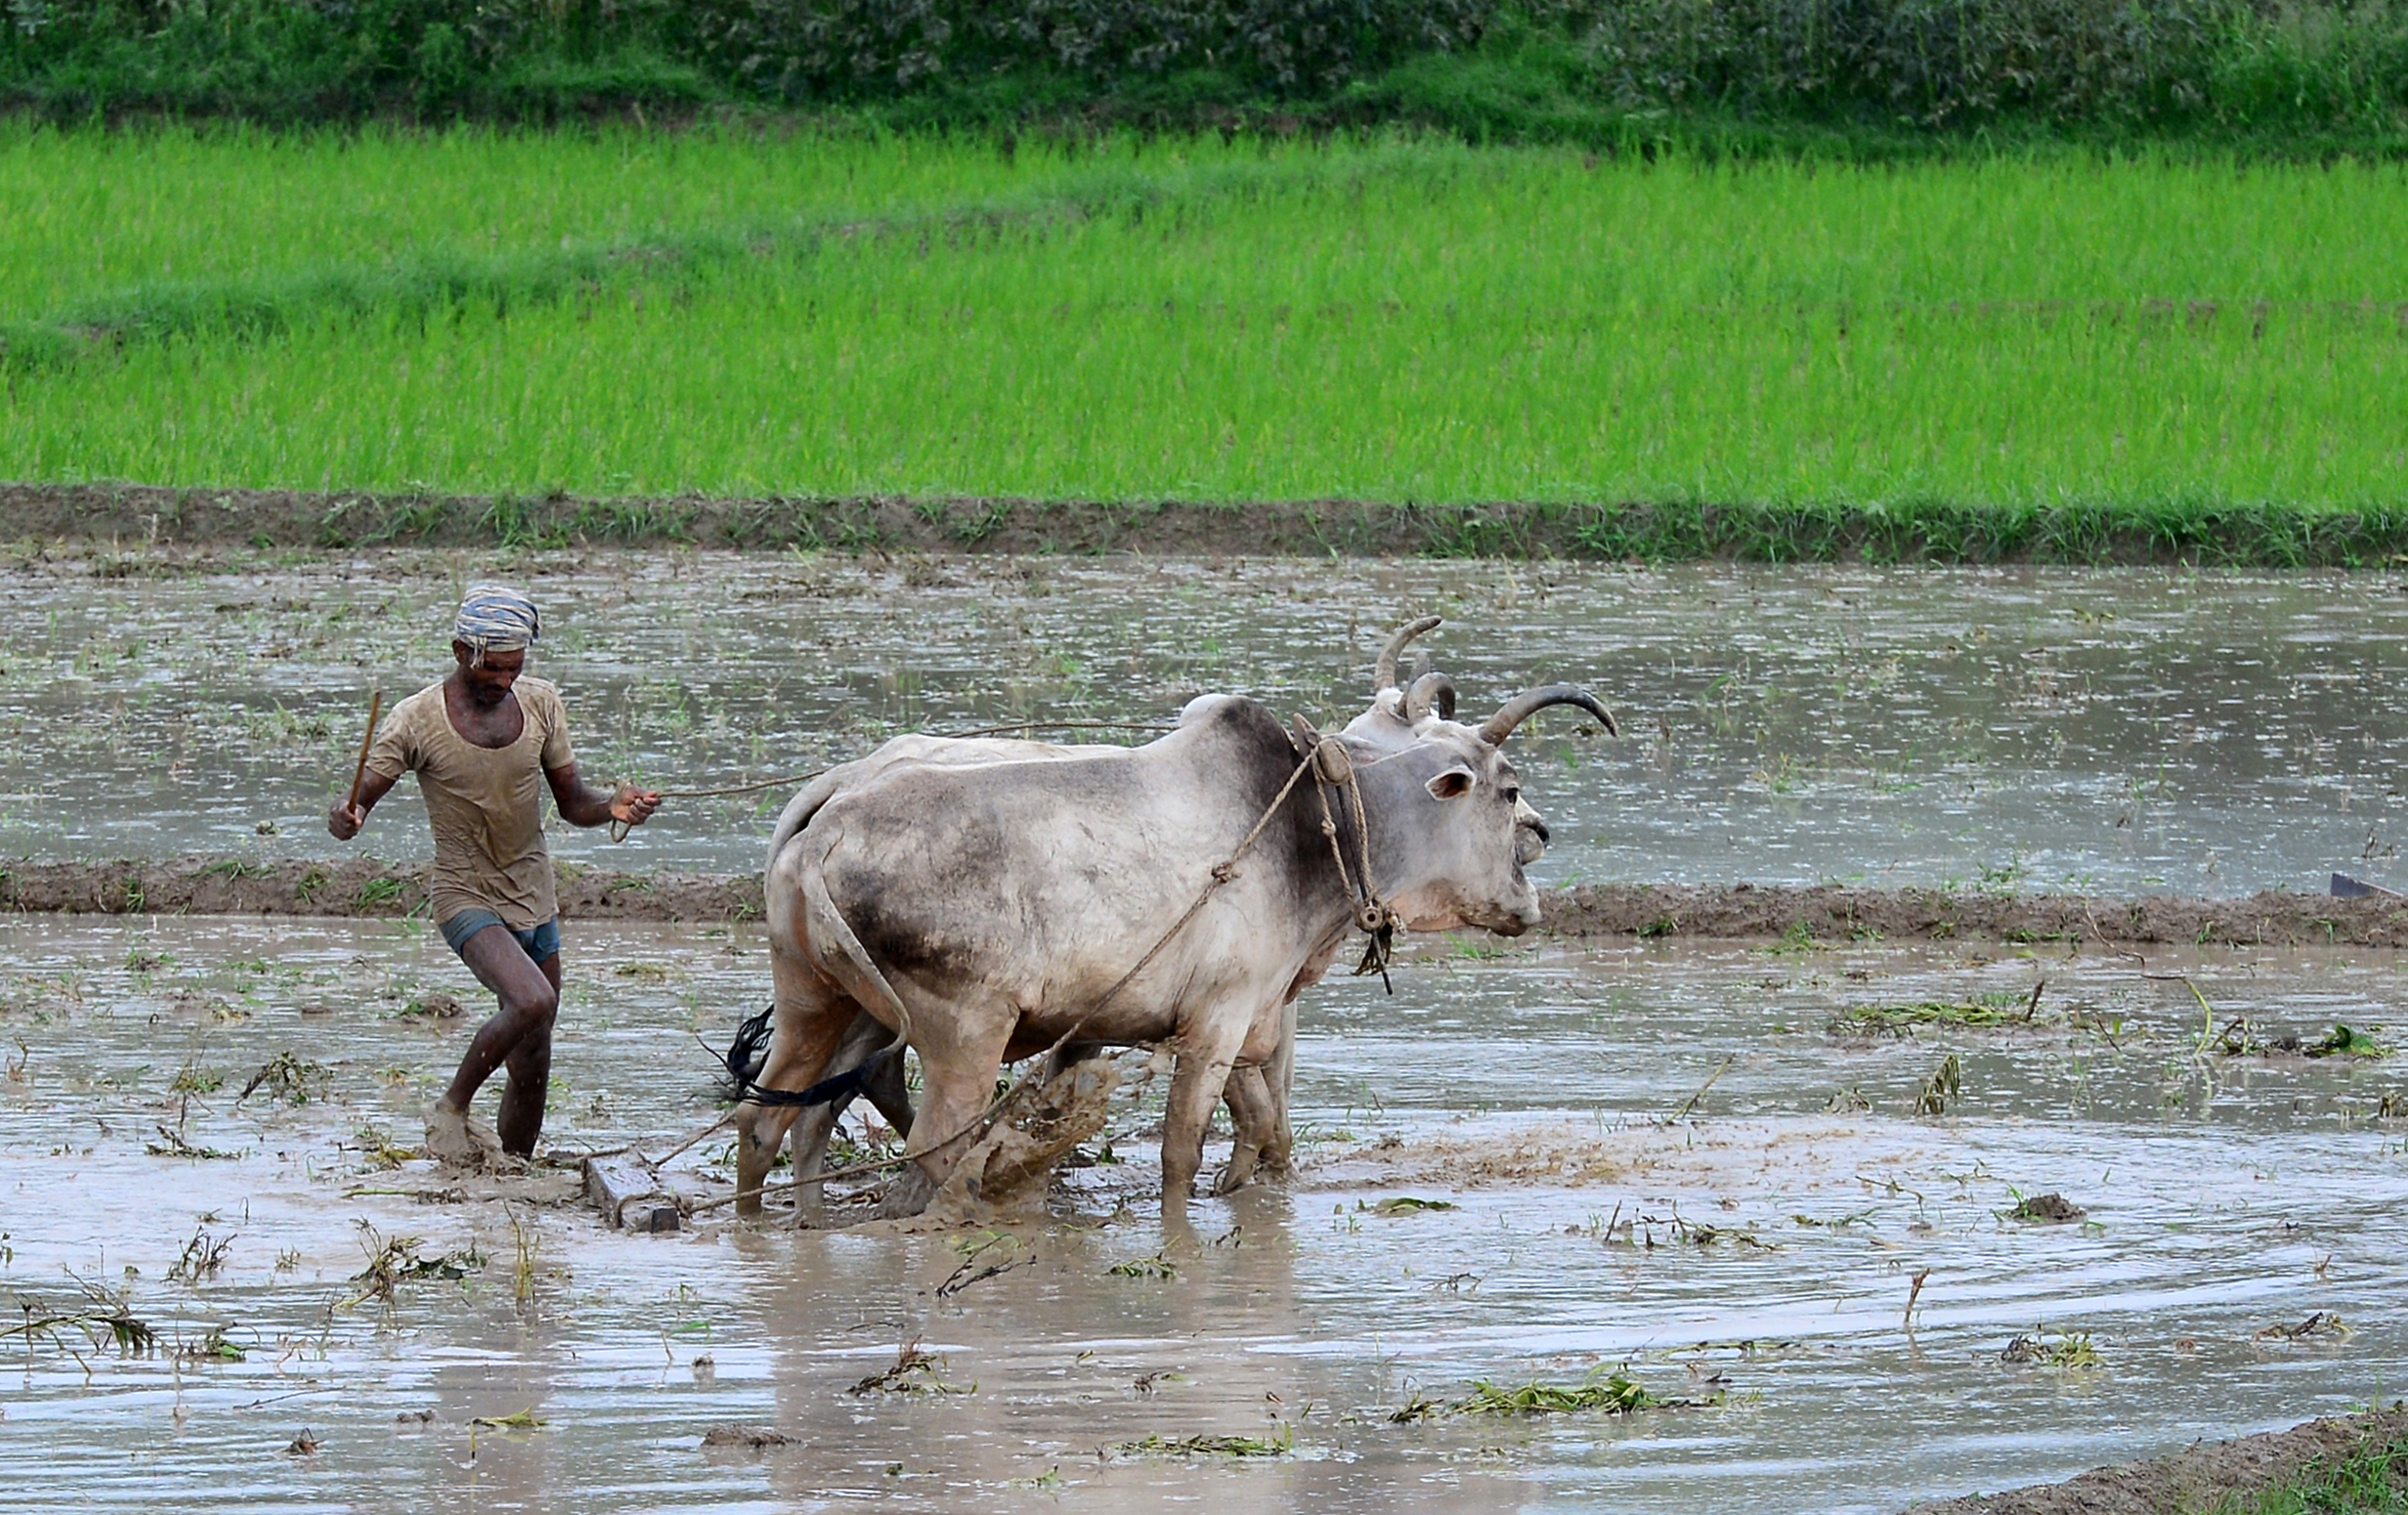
<point x="478" y="741"/>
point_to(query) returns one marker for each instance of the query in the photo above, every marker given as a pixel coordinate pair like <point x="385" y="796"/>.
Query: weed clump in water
<point x="914" y="1372"/>
<point x="1279" y="1443"/>
<point x="1943" y="1088"/>
<point x="1612" y="1391"/>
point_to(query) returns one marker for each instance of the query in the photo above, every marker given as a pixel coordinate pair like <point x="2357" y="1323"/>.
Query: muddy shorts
<point x="540" y="941"/>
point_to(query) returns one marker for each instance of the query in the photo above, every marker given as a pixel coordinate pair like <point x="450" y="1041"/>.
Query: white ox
<point x="985" y="897"/>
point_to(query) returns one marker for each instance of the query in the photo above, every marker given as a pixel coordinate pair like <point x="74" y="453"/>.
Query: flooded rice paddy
<point x="2235" y="1265"/>
<point x="2111" y="732"/>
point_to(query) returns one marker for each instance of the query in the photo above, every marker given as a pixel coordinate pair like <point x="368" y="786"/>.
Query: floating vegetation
<point x="2323" y="1325"/>
<point x="1944" y="1085"/>
<point x="746" y="1437"/>
<point x="2068" y="1352"/>
<point x="1982" y="1011"/>
<point x="1612" y="1391"/>
<point x="1279" y="1443"/>
<point x="914" y="1372"/>
<point x="171" y="1144"/>
<point x="516" y="1420"/>
<point x="431" y="1006"/>
<point x="1700" y="1233"/>
<point x="393" y="1260"/>
<point x="289" y="1079"/>
<point x="2342" y="1042"/>
<point x="193" y="1078"/>
<point x="1156" y="1266"/>
<point x="213" y="1347"/>
<point x="1005" y="1250"/>
<point x="1405" y="1204"/>
<point x="2241" y="1038"/>
<point x="2046" y="1208"/>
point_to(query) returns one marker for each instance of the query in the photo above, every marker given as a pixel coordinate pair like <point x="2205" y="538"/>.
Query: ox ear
<point x="1453" y="784"/>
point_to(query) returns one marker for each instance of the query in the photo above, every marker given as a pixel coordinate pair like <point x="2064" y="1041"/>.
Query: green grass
<point x="2370" y="1479"/>
<point x="2035" y="350"/>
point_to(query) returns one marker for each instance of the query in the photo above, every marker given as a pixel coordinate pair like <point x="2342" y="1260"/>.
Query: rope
<point x="1338" y="764"/>
<point x="619" y="828"/>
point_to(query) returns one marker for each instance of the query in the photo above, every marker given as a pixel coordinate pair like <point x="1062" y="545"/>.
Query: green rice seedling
<point x="1991" y="358"/>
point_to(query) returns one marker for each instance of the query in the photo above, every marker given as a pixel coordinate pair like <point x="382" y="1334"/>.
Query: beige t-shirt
<point x="485" y="804"/>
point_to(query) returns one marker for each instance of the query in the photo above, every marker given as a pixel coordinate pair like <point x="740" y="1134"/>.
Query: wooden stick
<point x="375" y="707"/>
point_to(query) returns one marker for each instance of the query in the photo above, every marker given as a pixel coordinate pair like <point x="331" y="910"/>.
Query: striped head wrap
<point x="494" y="618"/>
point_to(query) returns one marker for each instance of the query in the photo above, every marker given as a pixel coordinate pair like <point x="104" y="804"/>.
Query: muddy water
<point x="2114" y="732"/>
<point x="1760" y="1250"/>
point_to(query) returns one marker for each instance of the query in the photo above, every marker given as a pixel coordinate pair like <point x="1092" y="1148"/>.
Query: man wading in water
<point x="478" y="742"/>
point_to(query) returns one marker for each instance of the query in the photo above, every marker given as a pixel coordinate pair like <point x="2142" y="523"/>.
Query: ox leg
<point x="813" y="1015"/>
<point x="1252" y="1115"/>
<point x="1197" y="1083"/>
<point x="1279" y="1084"/>
<point x="961" y="1051"/>
<point x="815" y="1125"/>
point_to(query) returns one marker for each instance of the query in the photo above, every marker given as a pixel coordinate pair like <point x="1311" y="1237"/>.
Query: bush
<point x="1545" y="68"/>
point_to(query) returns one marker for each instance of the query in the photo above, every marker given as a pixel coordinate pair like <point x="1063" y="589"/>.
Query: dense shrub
<point x="1478" y="65"/>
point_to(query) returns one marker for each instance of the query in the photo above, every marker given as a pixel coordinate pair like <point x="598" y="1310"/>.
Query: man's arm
<point x="345" y="820"/>
<point x="583" y="804"/>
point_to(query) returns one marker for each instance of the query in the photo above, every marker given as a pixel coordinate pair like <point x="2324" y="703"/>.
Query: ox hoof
<point x="907" y="1194"/>
<point x="1238" y="1173"/>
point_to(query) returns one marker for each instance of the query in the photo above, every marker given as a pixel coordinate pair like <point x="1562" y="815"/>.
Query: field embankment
<point x="200" y="520"/>
<point x="1827" y="914"/>
<point x="2344" y="1464"/>
<point x="2048" y="357"/>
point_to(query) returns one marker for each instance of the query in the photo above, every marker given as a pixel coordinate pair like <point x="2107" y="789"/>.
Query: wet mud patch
<point x="1734" y="1244"/>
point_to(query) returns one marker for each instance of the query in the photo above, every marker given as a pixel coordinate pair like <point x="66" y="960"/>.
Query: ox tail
<point x="749" y="1049"/>
<point x="824" y="914"/>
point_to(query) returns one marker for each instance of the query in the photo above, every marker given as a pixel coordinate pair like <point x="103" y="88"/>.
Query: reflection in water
<point x="2114" y="732"/>
<point x="1764" y="1247"/>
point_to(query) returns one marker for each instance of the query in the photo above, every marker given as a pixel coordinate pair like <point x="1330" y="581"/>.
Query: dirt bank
<point x="2204" y="1476"/>
<point x="1825" y="915"/>
<point x="197" y="520"/>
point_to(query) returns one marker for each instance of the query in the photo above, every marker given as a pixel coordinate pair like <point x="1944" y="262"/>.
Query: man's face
<point x="489" y="682"/>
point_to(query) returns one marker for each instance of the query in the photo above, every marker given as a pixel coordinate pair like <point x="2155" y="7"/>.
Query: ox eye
<point x="1513" y="795"/>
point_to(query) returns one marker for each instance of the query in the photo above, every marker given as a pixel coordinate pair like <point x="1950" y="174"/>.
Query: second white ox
<point x="986" y="911"/>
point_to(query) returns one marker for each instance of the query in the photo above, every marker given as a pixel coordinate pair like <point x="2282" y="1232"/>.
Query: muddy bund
<point x="1608" y="1217"/>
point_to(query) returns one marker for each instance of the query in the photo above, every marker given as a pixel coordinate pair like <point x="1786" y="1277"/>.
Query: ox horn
<point x="1384" y="673"/>
<point x="1529" y="702"/>
<point x="1431" y="691"/>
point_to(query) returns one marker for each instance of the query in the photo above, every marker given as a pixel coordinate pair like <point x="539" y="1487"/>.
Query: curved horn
<point x="1384" y="673"/>
<point x="1431" y="691"/>
<point x="1529" y="702"/>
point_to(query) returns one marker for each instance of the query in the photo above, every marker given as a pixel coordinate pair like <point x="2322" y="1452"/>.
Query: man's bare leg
<point x="519" y="1035"/>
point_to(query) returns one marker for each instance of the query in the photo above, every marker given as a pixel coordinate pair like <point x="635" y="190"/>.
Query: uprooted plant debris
<point x="2049" y="1207"/>
<point x="914" y="1372"/>
<point x="1608" y="1391"/>
<point x="391" y="1260"/>
<point x="746" y="1437"/>
<point x="2321" y="1323"/>
<point x="1278" y="1443"/>
<point x="104" y="1316"/>
<point x="1981" y="1012"/>
<point x="289" y="1078"/>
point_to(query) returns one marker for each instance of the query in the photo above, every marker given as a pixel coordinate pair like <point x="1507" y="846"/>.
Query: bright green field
<point x="1415" y="322"/>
